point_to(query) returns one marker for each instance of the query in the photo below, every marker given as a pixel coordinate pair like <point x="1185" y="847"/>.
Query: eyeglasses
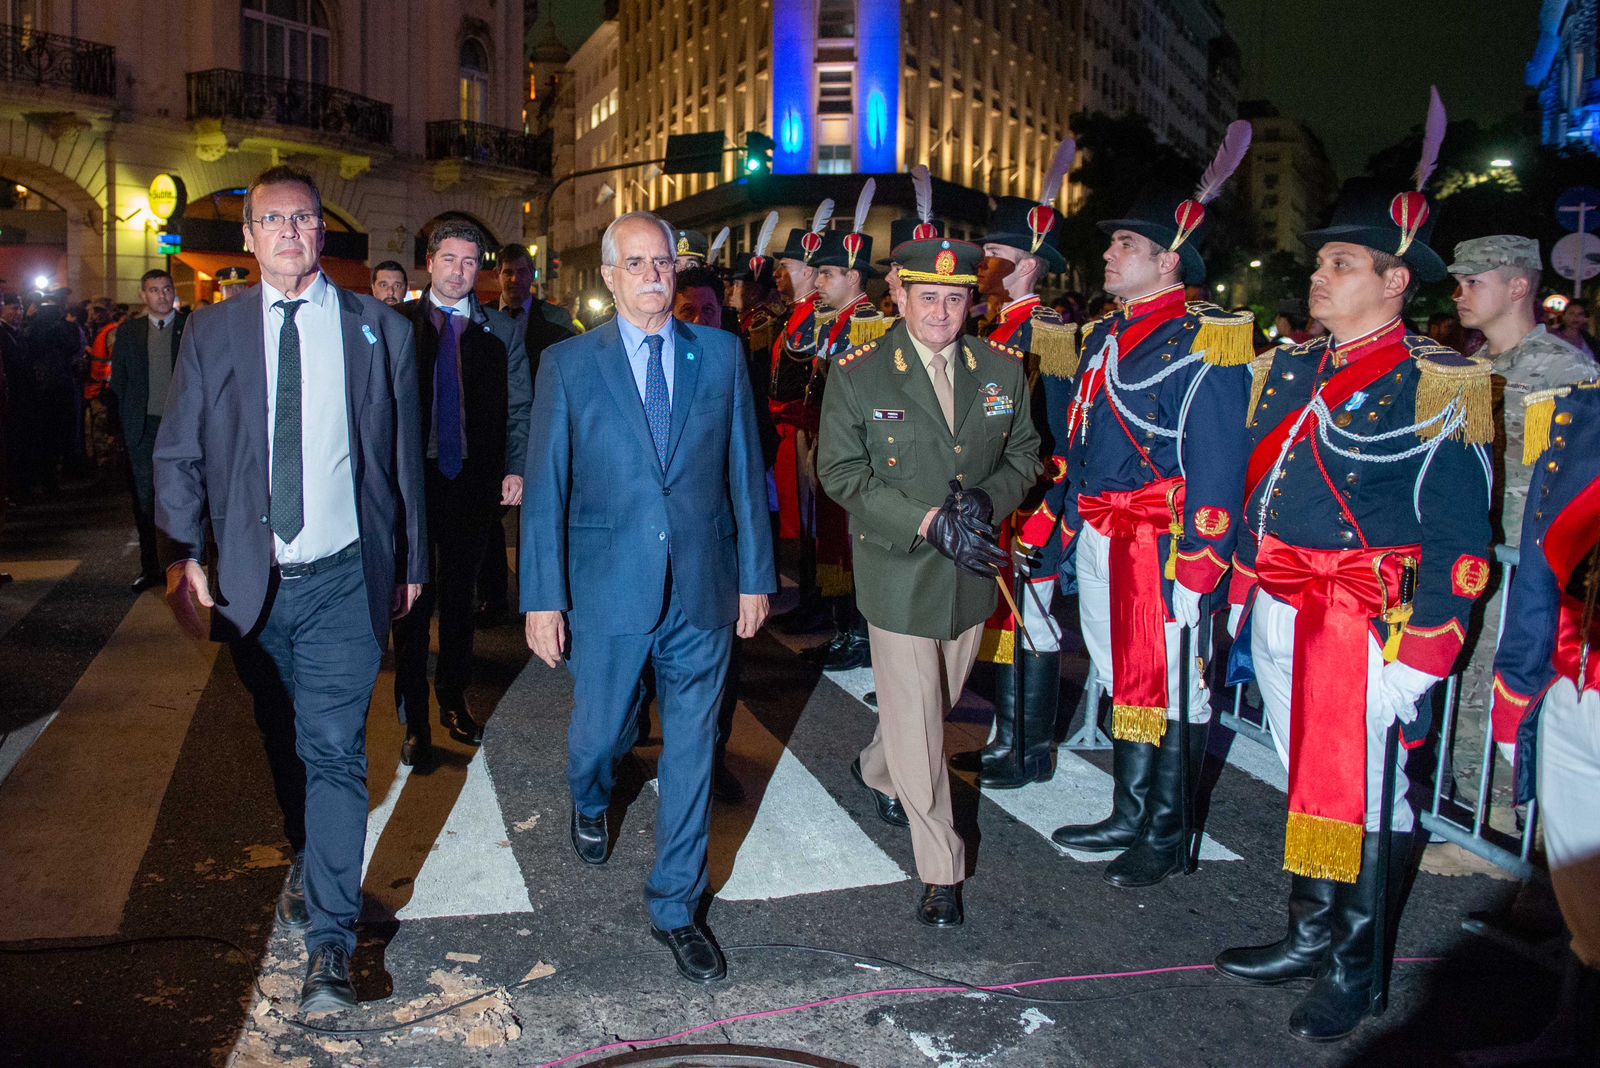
<point x="272" y="222"/>
<point x="637" y="264"/>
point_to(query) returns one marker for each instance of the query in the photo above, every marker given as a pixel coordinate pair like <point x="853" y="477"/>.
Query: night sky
<point x="1357" y="71"/>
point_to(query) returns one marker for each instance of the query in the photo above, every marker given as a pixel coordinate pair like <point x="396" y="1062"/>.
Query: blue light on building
<point x="794" y="50"/>
<point x="877" y="86"/>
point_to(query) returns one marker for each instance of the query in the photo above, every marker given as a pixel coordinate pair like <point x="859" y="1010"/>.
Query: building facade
<point x="594" y="200"/>
<point x="1562" y="70"/>
<point x="1288" y="179"/>
<point x="400" y="127"/>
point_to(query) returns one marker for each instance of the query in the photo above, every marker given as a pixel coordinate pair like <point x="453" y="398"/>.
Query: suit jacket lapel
<point x="357" y="357"/>
<point x="252" y="369"/>
<point x="914" y="379"/>
<point x="686" y="372"/>
<point x="619" y="379"/>
<point x="966" y="383"/>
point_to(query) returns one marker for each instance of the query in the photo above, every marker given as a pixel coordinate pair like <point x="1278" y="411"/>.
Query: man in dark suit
<point x="538" y="321"/>
<point x="646" y="530"/>
<point x="474" y="391"/>
<point x="142" y="359"/>
<point x="292" y="420"/>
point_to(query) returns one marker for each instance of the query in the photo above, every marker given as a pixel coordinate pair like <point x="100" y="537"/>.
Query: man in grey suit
<point x="474" y="392"/>
<point x="646" y="530"/>
<point x="292" y="420"/>
<point x="142" y="359"/>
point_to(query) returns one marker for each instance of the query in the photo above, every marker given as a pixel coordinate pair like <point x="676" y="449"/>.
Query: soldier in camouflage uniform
<point x="1497" y="280"/>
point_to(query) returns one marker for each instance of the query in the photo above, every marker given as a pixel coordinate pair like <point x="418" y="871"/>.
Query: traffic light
<point x="757" y="154"/>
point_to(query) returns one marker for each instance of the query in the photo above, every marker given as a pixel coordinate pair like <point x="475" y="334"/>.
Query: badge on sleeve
<point x="1470" y="576"/>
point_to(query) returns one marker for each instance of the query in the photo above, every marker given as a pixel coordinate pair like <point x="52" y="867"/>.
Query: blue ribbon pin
<point x="372" y="339"/>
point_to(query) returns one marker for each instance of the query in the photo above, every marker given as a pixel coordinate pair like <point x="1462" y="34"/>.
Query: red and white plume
<point x="716" y="246"/>
<point x="1231" y="153"/>
<point x="1432" y="138"/>
<point x="864" y="205"/>
<point x="764" y="239"/>
<point x="922" y="187"/>
<point x="1060" y="164"/>
<point x="819" y="221"/>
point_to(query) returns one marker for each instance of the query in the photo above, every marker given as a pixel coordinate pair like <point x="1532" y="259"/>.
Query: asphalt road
<point x="135" y="805"/>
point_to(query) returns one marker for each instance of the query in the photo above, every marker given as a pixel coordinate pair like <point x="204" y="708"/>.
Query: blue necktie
<point x="447" y="398"/>
<point x="657" y="407"/>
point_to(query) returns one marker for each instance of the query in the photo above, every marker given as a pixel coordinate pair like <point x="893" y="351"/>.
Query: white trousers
<point x="1272" y="647"/>
<point x="1569" y="794"/>
<point x="1094" y="616"/>
<point x="1044" y="633"/>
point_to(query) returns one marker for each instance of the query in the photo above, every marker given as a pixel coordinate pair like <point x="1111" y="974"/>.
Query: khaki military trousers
<point x="918" y="681"/>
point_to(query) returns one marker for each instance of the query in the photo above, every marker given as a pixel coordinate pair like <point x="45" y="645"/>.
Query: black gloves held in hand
<point x="961" y="530"/>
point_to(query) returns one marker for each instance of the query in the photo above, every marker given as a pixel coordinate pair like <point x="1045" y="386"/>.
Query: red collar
<point x="1019" y="310"/>
<point x="1155" y="308"/>
<point x="1348" y="352"/>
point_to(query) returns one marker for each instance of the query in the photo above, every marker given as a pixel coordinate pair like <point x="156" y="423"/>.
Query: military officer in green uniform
<point x="926" y="437"/>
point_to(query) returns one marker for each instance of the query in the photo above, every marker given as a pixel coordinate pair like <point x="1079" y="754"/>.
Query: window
<point x="833" y="159"/>
<point x="836" y="91"/>
<point x="474" y="79"/>
<point x="836" y="18"/>
<point x="287" y="39"/>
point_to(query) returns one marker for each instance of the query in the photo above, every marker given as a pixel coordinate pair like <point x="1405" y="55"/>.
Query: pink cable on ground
<point x="788" y="1009"/>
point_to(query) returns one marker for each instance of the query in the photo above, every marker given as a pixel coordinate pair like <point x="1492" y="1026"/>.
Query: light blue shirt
<point x="639" y="354"/>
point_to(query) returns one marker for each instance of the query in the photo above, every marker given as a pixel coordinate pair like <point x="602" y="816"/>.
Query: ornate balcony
<point x="495" y="146"/>
<point x="52" y="61"/>
<point x="259" y="98"/>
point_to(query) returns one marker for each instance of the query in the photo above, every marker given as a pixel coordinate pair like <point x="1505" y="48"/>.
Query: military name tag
<point x="889" y="415"/>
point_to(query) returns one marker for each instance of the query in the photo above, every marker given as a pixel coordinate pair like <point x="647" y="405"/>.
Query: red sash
<point x="1568" y="541"/>
<point x="1134" y="522"/>
<point x="841" y="325"/>
<point x="1335" y="592"/>
<point x="802" y="310"/>
<point x="1338" y="389"/>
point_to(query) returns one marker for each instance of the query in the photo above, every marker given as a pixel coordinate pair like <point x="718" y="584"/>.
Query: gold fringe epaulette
<point x="1227" y="339"/>
<point x="1057" y="346"/>
<point x="1260" y="371"/>
<point x="1539" y="412"/>
<point x="1135" y="723"/>
<point x="866" y="328"/>
<point x="1447" y="378"/>
<point x="854" y="356"/>
<point x="1321" y="848"/>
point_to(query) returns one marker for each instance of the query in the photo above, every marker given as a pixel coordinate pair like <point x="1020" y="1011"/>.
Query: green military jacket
<point x="886" y="456"/>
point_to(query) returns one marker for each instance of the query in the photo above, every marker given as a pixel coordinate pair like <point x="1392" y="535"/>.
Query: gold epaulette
<point x="1260" y="371"/>
<point x="1057" y="346"/>
<point x="867" y="328"/>
<point x="854" y="356"/>
<point x="1447" y="378"/>
<point x="1539" y="412"/>
<point x="1224" y="338"/>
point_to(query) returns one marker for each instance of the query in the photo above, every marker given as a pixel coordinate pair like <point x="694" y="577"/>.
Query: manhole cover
<point x="719" y="1057"/>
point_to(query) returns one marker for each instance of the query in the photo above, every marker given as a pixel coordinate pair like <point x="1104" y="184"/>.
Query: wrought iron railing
<point x="479" y="142"/>
<point x="233" y="94"/>
<point x="52" y="61"/>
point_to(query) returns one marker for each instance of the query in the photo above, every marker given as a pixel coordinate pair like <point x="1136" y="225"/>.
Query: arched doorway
<point x="33" y="240"/>
<point x="213" y="238"/>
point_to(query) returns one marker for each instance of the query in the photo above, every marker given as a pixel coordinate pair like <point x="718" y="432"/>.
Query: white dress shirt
<point x="328" y="490"/>
<point x="639" y="354"/>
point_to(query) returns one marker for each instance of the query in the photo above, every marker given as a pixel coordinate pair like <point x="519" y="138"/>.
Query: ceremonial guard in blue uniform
<point x="1367" y="516"/>
<point x="1547" y="690"/>
<point x="1155" y="460"/>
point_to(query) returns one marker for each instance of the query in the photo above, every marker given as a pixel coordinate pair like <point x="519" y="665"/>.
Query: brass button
<point x="861" y="537"/>
<point x="1385" y="400"/>
<point x="1272" y="391"/>
<point x="1399" y="376"/>
<point x="1372" y="417"/>
<point x="1538" y="515"/>
<point x="892" y="461"/>
<point x="1552" y="467"/>
<point x="1288" y="376"/>
<point x="1342" y="419"/>
<point x="1352" y="478"/>
<point x="1346" y="535"/>
<point x="1558" y="442"/>
<point x="1277" y="491"/>
<point x="1563" y="418"/>
<point x="1273" y="513"/>
<point x="958" y="450"/>
<point x="1290" y="456"/>
<point x="891" y="441"/>
<point x="960" y="477"/>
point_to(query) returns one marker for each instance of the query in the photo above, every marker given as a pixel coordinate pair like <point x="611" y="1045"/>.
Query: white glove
<point x="1235" y="618"/>
<point x="1399" y="687"/>
<point x="1185" y="605"/>
<point x="1508" y="752"/>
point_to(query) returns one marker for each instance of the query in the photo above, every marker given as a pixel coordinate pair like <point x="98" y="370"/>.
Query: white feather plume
<point x="1231" y="153"/>
<point x="864" y="204"/>
<point x="922" y="186"/>
<point x="716" y="245"/>
<point x="819" y="221"/>
<point x="768" y="228"/>
<point x="1432" y="139"/>
<point x="1060" y="164"/>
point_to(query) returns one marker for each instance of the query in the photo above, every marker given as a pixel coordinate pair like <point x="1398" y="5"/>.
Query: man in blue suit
<point x="292" y="422"/>
<point x="645" y="538"/>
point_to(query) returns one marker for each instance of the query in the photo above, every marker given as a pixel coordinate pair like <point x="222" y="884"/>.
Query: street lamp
<point x="1255" y="264"/>
<point x="1500" y="161"/>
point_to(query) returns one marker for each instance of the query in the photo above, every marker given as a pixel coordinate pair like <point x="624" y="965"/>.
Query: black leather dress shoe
<point x="459" y="722"/>
<point x="292" y="898"/>
<point x="416" y="752"/>
<point x="327" y="987"/>
<point x="146" y="582"/>
<point x="698" y="960"/>
<point x="725" y="787"/>
<point x="889" y="808"/>
<point x="940" y="905"/>
<point x="589" y="837"/>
